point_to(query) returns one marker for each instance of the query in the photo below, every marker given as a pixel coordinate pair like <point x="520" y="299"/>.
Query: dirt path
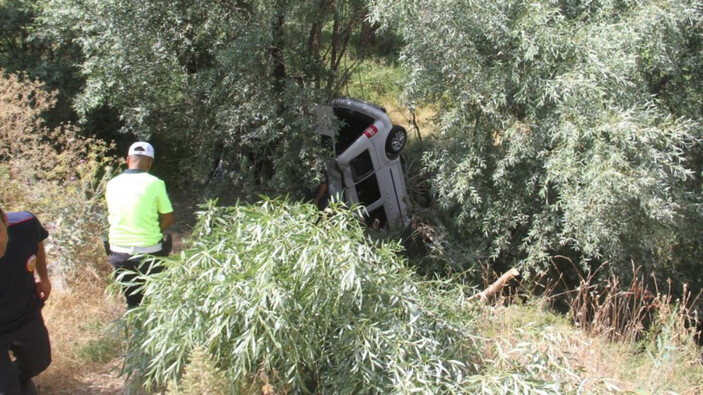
<point x="85" y="354"/>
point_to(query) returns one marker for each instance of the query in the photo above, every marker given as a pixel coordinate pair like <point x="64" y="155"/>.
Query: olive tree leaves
<point x="552" y="139"/>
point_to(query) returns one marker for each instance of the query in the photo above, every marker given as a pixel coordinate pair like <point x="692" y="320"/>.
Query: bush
<point x="56" y="173"/>
<point x="274" y="290"/>
<point x="201" y="376"/>
<point x="552" y="138"/>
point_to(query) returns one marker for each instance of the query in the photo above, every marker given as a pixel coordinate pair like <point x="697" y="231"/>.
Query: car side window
<point x="361" y="166"/>
<point x="367" y="191"/>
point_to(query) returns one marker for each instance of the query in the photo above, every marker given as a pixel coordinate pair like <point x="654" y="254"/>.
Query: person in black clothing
<point x="22" y="329"/>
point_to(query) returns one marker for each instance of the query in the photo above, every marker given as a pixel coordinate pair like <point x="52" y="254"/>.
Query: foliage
<point x="201" y="376"/>
<point x="375" y="81"/>
<point x="551" y="142"/>
<point x="228" y="86"/>
<point x="22" y="51"/>
<point x="309" y="301"/>
<point x="55" y="173"/>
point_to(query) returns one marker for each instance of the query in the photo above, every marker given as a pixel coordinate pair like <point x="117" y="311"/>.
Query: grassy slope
<point x="87" y="352"/>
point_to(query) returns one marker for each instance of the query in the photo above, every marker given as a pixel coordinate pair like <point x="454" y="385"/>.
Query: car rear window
<point x="352" y="125"/>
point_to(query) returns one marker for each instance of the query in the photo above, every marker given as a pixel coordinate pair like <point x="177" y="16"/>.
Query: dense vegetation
<point x="231" y="81"/>
<point x="53" y="172"/>
<point x="564" y="128"/>
<point x="566" y="134"/>
<point x="281" y="296"/>
<point x="558" y="130"/>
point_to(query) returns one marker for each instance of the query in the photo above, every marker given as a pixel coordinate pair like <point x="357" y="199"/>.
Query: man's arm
<point x="320" y="193"/>
<point x="163" y="204"/>
<point x="43" y="283"/>
<point x="165" y="220"/>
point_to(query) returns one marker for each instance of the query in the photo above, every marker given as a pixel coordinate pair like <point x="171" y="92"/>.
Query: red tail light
<point x="371" y="131"/>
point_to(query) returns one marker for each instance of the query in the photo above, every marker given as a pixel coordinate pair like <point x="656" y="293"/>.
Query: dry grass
<point x="600" y="365"/>
<point x="620" y="366"/>
<point x="87" y="351"/>
<point x="419" y="125"/>
<point x="55" y="173"/>
<point x="620" y="337"/>
<point x="79" y="320"/>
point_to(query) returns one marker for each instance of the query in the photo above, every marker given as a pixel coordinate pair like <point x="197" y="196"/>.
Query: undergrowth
<point x="616" y="338"/>
<point x="625" y="313"/>
<point x="376" y="82"/>
<point x="530" y="341"/>
<point x="56" y="173"/>
<point x="285" y="299"/>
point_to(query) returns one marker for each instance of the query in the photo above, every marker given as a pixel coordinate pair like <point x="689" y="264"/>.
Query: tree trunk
<point x="497" y="286"/>
<point x="277" y="55"/>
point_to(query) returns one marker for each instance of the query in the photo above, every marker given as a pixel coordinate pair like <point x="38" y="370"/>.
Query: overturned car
<point x="365" y="167"/>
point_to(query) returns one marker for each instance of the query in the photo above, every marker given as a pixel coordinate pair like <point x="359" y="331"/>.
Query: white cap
<point x="141" y="148"/>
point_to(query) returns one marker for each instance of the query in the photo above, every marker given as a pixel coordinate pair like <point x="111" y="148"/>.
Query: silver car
<point x="366" y="167"/>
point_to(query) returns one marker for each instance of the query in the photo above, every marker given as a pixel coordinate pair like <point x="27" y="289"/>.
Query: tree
<point x="22" y="52"/>
<point x="221" y="82"/>
<point x="552" y="141"/>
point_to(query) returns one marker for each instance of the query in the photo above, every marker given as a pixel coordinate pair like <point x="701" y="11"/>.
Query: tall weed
<point x="534" y="350"/>
<point x="627" y="313"/>
<point x="56" y="173"/>
<point x="201" y="376"/>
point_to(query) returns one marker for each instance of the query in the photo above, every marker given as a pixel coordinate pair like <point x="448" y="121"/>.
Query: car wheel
<point x="396" y="141"/>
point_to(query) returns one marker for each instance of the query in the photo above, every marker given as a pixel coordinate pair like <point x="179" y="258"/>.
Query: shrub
<point x="201" y="376"/>
<point x="56" y="173"/>
<point x="305" y="299"/>
<point x="552" y="137"/>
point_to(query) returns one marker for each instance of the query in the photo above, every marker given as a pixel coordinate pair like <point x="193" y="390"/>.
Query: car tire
<point x="395" y="142"/>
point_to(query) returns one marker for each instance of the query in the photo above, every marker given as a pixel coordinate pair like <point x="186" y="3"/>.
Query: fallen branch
<point x="496" y="286"/>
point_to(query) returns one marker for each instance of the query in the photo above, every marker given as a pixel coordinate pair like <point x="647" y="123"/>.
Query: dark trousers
<point x="127" y="271"/>
<point x="30" y="345"/>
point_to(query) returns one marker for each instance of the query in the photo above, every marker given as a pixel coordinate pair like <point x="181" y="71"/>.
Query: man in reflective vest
<point x="139" y="211"/>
